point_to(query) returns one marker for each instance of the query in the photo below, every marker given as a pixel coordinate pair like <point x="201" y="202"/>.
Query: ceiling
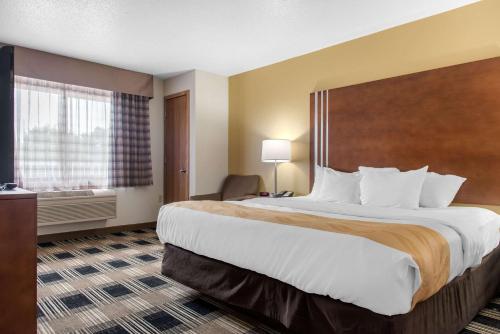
<point x="165" y="37"/>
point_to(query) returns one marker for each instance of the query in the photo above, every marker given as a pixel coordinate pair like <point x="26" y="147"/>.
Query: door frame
<point x="188" y="143"/>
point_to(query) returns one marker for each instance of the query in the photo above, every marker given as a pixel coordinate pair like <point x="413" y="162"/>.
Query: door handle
<point x="182" y="171"/>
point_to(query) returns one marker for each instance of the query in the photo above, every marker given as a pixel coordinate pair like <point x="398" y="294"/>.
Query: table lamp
<point x="276" y="150"/>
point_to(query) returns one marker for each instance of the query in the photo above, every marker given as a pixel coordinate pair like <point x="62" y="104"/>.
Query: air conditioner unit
<point x="64" y="207"/>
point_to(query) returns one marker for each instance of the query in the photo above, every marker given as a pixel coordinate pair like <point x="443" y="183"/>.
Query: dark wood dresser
<point x="17" y="261"/>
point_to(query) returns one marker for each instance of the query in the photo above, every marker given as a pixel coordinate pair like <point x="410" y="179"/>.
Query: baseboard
<point x="95" y="231"/>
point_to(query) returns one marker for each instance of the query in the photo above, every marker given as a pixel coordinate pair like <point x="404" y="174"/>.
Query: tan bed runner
<point x="428" y="248"/>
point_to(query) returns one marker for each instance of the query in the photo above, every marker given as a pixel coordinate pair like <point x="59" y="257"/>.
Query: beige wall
<point x="211" y="102"/>
<point x="273" y="101"/>
<point x="208" y="163"/>
<point x="140" y="204"/>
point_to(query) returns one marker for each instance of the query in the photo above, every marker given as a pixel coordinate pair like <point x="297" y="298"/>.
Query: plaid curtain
<point x="61" y="135"/>
<point x="131" y="148"/>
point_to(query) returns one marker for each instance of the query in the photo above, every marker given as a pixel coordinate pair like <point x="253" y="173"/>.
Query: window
<point x="63" y="135"/>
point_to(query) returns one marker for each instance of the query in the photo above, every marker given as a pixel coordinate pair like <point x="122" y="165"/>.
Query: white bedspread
<point x="345" y="267"/>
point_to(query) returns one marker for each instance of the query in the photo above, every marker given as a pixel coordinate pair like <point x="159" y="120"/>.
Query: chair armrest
<point x="207" y="197"/>
<point x="240" y="198"/>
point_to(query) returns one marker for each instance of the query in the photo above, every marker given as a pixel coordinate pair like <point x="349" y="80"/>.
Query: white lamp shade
<point x="276" y="150"/>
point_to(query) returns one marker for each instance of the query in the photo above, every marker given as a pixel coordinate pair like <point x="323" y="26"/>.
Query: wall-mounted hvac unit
<point x="64" y="207"/>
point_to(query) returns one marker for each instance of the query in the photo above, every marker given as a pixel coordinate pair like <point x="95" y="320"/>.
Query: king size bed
<point x="328" y="266"/>
<point x="274" y="257"/>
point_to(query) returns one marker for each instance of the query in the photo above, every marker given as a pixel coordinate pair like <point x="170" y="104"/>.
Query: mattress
<point x="348" y="268"/>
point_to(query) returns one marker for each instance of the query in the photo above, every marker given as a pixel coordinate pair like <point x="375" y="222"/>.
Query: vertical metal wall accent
<point x="327" y="128"/>
<point x="321" y="128"/>
<point x="319" y="131"/>
<point x="315" y="143"/>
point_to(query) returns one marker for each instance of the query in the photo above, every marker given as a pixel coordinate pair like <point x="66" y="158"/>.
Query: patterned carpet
<point x="112" y="284"/>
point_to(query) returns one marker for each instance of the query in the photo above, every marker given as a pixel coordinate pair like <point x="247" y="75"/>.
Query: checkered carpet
<point x="112" y="284"/>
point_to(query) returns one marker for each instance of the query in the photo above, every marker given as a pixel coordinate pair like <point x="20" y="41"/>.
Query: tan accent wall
<point x="273" y="101"/>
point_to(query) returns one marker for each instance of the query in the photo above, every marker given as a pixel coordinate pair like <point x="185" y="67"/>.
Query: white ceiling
<point x="165" y="37"/>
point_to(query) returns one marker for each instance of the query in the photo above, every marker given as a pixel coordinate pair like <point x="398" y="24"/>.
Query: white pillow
<point x="439" y="190"/>
<point x="318" y="173"/>
<point x="339" y="187"/>
<point x="392" y="189"/>
<point x="364" y="169"/>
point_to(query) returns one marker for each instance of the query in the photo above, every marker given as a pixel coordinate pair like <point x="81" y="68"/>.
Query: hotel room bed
<point x="309" y="279"/>
<point x="357" y="276"/>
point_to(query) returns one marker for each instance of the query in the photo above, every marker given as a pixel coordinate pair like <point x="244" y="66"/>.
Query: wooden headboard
<point x="447" y="118"/>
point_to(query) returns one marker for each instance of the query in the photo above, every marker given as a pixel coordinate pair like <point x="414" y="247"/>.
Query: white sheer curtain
<point x="62" y="135"/>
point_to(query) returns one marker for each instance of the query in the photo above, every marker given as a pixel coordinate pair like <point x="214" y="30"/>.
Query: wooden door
<point x="176" y="143"/>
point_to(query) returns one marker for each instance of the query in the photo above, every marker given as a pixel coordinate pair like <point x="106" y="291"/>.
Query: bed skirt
<point x="291" y="310"/>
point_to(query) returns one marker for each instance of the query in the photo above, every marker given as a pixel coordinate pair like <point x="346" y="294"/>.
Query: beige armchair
<point x="235" y="188"/>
